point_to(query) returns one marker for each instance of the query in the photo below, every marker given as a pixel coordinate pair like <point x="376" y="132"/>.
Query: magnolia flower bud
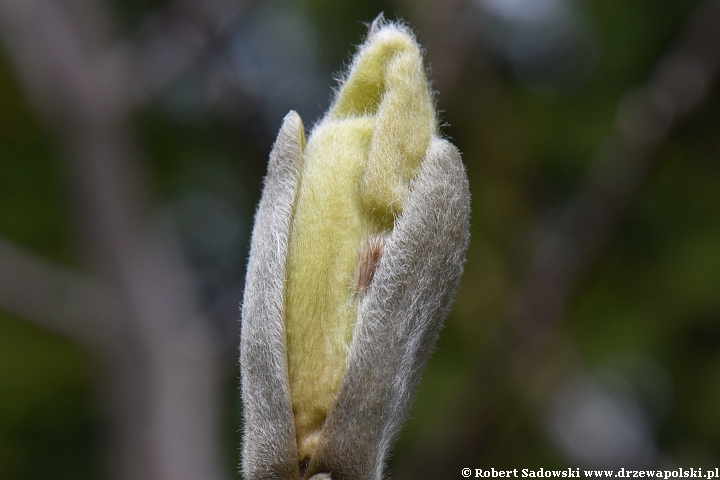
<point x="358" y="245"/>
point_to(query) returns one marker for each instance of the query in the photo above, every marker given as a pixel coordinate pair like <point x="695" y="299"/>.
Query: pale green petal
<point x="357" y="167"/>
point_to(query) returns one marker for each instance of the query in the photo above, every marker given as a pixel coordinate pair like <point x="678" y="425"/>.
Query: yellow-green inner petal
<point x="357" y="167"/>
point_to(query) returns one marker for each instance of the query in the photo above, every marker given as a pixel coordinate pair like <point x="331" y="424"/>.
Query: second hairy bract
<point x="357" y="249"/>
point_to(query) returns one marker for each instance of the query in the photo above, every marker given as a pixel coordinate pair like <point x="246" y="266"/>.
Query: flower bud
<point x="357" y="249"/>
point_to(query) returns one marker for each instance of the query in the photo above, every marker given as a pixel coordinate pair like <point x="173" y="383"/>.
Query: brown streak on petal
<point x="370" y="255"/>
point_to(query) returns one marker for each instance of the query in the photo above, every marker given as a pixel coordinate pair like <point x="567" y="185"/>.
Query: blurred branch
<point x="54" y="297"/>
<point x="644" y="119"/>
<point x="165" y="377"/>
<point x="179" y="38"/>
<point x="571" y="246"/>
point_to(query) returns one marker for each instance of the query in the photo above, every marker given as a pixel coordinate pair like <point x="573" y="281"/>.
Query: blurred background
<point x="134" y="137"/>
